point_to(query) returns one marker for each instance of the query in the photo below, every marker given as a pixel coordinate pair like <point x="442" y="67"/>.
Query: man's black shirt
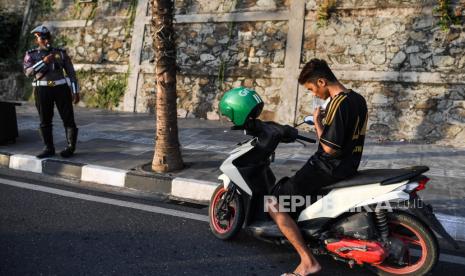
<point x="344" y="128"/>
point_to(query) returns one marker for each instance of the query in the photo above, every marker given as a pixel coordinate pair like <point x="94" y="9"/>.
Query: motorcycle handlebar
<point x="306" y="139"/>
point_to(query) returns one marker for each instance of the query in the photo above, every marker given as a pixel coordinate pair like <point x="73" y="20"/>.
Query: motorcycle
<point x="344" y="221"/>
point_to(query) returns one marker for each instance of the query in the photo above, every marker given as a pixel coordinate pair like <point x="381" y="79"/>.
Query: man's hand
<point x="76" y="98"/>
<point x="317" y="115"/>
<point x="49" y="58"/>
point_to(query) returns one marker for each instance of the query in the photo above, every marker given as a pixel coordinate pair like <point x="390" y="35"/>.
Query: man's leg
<point x="44" y="105"/>
<point x="308" y="264"/>
<point x="298" y="185"/>
<point x="64" y="103"/>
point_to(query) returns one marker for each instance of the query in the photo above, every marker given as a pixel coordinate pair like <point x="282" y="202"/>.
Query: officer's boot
<point x="71" y="138"/>
<point x="47" y="137"/>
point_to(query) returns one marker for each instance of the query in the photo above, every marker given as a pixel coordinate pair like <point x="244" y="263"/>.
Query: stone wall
<point x="402" y="37"/>
<point x="224" y="6"/>
<point x="11" y="18"/>
<point x="13" y="6"/>
<point x="100" y="43"/>
<point x="393" y="52"/>
<point x="94" y="10"/>
<point x="385" y="46"/>
<point x="204" y="47"/>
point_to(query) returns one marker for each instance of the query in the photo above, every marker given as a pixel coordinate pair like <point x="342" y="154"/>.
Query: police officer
<point x="48" y="66"/>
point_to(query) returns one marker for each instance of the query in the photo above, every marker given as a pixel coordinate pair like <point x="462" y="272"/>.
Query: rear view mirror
<point x="309" y="120"/>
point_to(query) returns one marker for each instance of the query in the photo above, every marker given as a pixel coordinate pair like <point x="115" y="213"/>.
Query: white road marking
<point x="121" y="203"/>
<point x="159" y="210"/>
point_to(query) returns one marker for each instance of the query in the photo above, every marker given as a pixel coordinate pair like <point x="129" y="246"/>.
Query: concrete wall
<point x="393" y="52"/>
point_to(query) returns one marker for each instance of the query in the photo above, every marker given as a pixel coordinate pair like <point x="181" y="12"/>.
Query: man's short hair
<point x="314" y="70"/>
<point x="47" y="36"/>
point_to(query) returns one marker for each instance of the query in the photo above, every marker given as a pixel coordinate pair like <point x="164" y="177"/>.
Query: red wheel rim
<point x="214" y="220"/>
<point x="409" y="241"/>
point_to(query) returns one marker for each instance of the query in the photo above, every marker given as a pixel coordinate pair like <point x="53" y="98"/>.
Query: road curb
<point x="103" y="175"/>
<point x="191" y="190"/>
<point x="25" y="162"/>
<point x="62" y="168"/>
<point x="146" y="182"/>
<point x="4" y="159"/>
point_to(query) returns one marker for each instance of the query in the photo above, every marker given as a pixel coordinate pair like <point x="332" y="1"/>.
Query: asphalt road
<point x="64" y="230"/>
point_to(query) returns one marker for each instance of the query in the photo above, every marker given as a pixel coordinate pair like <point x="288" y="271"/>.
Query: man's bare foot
<point x="307" y="268"/>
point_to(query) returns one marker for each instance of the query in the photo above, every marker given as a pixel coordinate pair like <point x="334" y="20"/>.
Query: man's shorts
<point x="306" y="182"/>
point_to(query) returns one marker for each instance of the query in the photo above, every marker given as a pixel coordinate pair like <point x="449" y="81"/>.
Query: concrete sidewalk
<point x="114" y="148"/>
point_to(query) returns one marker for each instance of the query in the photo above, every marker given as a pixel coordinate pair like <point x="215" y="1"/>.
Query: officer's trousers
<point x="46" y="97"/>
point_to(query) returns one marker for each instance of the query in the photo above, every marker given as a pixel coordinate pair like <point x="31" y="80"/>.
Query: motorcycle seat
<point x="382" y="176"/>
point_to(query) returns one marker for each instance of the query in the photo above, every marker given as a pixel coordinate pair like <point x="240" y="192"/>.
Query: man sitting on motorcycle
<point x="341" y="133"/>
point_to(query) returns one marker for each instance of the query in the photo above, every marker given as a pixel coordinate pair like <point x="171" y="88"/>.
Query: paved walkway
<point x="126" y="141"/>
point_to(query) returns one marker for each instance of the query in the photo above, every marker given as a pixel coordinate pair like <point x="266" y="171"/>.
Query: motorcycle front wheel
<point x="226" y="213"/>
<point x="422" y="247"/>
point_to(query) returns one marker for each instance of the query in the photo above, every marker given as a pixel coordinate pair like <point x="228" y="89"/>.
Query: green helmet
<point x="239" y="104"/>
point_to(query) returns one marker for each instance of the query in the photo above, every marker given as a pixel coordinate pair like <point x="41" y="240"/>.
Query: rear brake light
<point x="422" y="184"/>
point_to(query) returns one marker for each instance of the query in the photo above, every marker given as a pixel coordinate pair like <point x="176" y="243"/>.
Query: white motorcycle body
<point x="336" y="202"/>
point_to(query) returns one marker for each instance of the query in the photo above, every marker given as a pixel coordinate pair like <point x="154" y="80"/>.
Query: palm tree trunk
<point x="167" y="155"/>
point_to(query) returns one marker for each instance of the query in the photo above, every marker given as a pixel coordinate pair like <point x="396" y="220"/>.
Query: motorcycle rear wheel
<point x="414" y="234"/>
<point x="225" y="219"/>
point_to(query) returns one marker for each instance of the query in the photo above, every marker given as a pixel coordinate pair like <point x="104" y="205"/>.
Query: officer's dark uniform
<point x="52" y="87"/>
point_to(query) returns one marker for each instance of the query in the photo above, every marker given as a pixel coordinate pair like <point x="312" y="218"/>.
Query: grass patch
<point x="108" y="93"/>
